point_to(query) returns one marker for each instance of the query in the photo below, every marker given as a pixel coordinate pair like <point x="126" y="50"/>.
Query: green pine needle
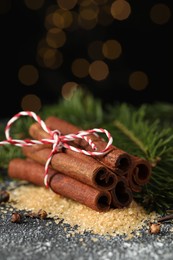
<point x="145" y="131"/>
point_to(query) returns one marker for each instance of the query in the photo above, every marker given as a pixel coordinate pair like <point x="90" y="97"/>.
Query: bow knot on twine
<point x="57" y="140"/>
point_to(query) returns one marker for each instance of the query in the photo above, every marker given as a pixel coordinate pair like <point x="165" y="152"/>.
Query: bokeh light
<point x="67" y="4"/>
<point x="28" y="75"/>
<point x="55" y="37"/>
<point x="160" y="13"/>
<point x="31" y="102"/>
<point x="98" y="70"/>
<point x="87" y="24"/>
<point x="100" y="44"/>
<point x="52" y="58"/>
<point x="120" y="10"/>
<point x="62" y="18"/>
<point x="85" y="3"/>
<point x="112" y="49"/>
<point x="138" y="80"/>
<point x="34" y="4"/>
<point x="89" y="13"/>
<point x="68" y="89"/>
<point x="80" y="68"/>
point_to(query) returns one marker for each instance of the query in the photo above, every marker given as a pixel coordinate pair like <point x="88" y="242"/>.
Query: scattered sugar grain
<point x="110" y="223"/>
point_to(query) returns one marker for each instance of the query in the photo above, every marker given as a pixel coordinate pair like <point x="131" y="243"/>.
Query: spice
<point x="4" y="196"/>
<point x="121" y="195"/>
<point x="136" y="169"/>
<point x="16" y="217"/>
<point x="42" y="214"/>
<point x="78" y="166"/>
<point x="59" y="183"/>
<point x="154" y="228"/>
<point x="116" y="159"/>
<point x="89" y="170"/>
<point x="139" y="173"/>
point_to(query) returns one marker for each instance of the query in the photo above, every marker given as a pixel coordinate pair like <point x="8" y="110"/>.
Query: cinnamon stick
<point x="59" y="183"/>
<point x="86" y="170"/>
<point x="116" y="159"/>
<point x="91" y="171"/>
<point x="139" y="174"/>
<point x="121" y="195"/>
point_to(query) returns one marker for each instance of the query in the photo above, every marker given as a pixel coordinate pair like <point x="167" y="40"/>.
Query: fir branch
<point x="150" y="137"/>
<point x="130" y="135"/>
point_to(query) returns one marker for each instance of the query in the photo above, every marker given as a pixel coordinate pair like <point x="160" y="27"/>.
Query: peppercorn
<point x="42" y="214"/>
<point x="16" y="217"/>
<point x="4" y="196"/>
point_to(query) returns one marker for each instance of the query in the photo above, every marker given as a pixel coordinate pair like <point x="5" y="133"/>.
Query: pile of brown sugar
<point x="113" y="222"/>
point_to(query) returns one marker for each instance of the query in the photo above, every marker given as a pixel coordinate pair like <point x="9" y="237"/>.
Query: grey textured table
<point x="44" y="239"/>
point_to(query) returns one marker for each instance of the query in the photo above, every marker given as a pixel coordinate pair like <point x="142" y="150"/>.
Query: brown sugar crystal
<point x="123" y="221"/>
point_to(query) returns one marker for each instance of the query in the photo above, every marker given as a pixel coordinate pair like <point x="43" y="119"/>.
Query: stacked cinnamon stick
<point x="99" y="182"/>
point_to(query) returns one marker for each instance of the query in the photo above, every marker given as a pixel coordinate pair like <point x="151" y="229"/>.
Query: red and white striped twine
<point x="57" y="140"/>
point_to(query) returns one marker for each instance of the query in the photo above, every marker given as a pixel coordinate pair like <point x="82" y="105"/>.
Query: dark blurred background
<point x="120" y="50"/>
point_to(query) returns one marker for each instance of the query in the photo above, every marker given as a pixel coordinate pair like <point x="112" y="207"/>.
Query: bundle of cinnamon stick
<point x="99" y="182"/>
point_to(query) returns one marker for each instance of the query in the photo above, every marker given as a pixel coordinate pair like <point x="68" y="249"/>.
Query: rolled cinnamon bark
<point x="59" y="183"/>
<point x="139" y="174"/>
<point x="82" y="167"/>
<point x="87" y="170"/>
<point x="121" y="195"/>
<point x="116" y="159"/>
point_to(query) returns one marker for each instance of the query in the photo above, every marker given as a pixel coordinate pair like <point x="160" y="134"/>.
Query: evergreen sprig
<point x="144" y="131"/>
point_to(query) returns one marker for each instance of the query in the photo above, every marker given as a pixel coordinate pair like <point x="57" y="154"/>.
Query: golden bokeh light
<point x="55" y="37"/>
<point x="120" y="10"/>
<point x="31" y="102"/>
<point x="28" y="75"/>
<point x="52" y="58"/>
<point x="95" y="50"/>
<point x="67" y="4"/>
<point x="160" y="13"/>
<point x="88" y="14"/>
<point x="85" y="22"/>
<point x="85" y="3"/>
<point x="68" y="89"/>
<point x="112" y="49"/>
<point x="80" y="68"/>
<point x="138" y="80"/>
<point x="98" y="70"/>
<point x="62" y="18"/>
<point x="34" y="4"/>
<point x="48" y="22"/>
<point x="5" y="6"/>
